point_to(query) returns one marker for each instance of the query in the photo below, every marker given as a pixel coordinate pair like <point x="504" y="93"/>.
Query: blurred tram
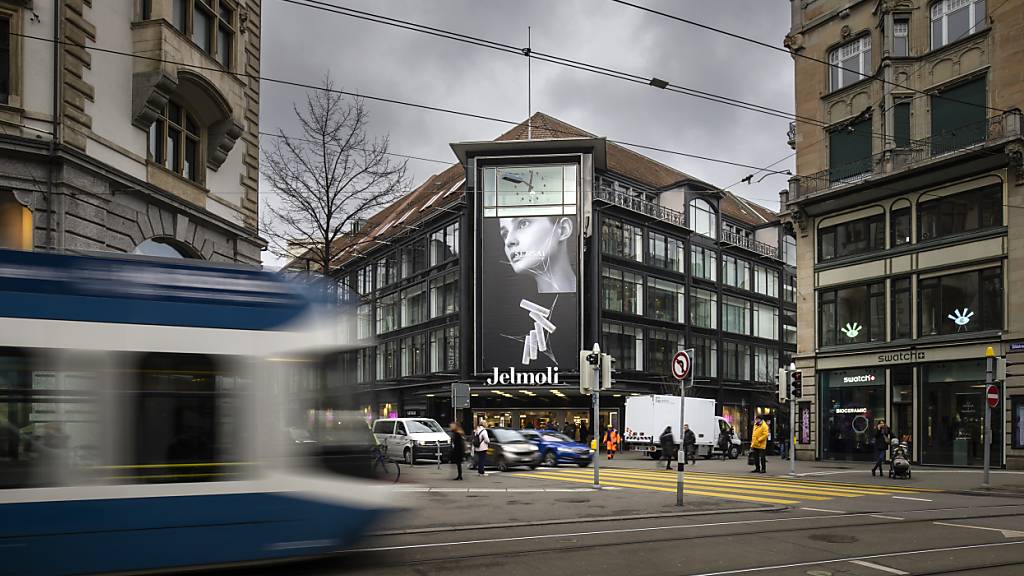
<point x="157" y="415"/>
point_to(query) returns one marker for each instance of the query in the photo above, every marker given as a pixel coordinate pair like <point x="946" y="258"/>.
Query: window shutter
<point x="958" y="117"/>
<point x="901" y="124"/>
<point x="850" y="151"/>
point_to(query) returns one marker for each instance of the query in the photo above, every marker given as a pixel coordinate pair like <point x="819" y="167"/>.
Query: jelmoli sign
<point x="513" y="376"/>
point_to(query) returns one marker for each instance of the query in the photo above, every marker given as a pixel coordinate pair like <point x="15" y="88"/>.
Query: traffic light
<point x="1001" y="365"/>
<point x="795" y="384"/>
<point x="589" y="359"/>
<point x="607" y="366"/>
<point x="783" y="384"/>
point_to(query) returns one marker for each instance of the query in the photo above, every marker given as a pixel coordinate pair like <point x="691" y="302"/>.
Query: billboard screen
<point x="529" y="271"/>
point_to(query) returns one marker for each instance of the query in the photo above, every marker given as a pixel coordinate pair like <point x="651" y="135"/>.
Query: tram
<point x="156" y="415"/>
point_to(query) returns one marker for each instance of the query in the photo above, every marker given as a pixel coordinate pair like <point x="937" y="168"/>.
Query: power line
<point x="296" y="138"/>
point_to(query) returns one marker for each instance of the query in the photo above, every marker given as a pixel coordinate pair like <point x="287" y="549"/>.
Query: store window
<point x="621" y="239"/>
<point x="955" y="19"/>
<point x="735" y="272"/>
<point x="965" y="302"/>
<point x="735" y="315"/>
<point x="625" y="343"/>
<point x="704" y="262"/>
<point x="703" y="308"/>
<point x="623" y="291"/>
<point x="899" y="219"/>
<point x="666" y="300"/>
<point x="1017" y="418"/>
<point x="952" y="409"/>
<point x="901" y="417"/>
<point x="852" y="402"/>
<point x="855" y="314"/>
<point x="901" y="308"/>
<point x="850" y="63"/>
<point x="851" y="238"/>
<point x="959" y="213"/>
<point x="703" y="218"/>
<point x="665" y="252"/>
<point x="737" y="416"/>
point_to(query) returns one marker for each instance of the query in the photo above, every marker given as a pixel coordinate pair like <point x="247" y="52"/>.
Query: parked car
<point x="557" y="448"/>
<point x="412" y="439"/>
<point x="508" y="449"/>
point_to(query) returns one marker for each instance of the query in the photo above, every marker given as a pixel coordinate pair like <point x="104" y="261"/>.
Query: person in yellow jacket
<point x="759" y="444"/>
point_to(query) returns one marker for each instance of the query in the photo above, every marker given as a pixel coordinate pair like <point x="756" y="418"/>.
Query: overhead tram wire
<point x="792" y="54"/>
<point x="311" y="141"/>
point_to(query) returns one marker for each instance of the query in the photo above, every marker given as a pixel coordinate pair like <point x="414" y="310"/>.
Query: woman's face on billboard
<point x="527" y="241"/>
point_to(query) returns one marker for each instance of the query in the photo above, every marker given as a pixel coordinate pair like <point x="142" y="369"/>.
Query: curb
<point x="573" y="521"/>
<point x="980" y="492"/>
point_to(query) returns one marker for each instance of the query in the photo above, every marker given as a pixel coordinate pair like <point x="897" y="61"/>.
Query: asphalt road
<point x="936" y="533"/>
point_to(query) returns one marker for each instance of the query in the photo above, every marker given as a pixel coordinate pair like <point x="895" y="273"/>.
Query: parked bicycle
<point x="383" y="468"/>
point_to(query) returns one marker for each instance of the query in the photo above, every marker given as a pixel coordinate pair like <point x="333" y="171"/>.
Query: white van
<point x="412" y="439"/>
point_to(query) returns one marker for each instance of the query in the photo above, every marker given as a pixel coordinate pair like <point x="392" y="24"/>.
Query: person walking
<point x="611" y="441"/>
<point x="458" y="447"/>
<point x="758" y="445"/>
<point x="668" y="445"/>
<point x="882" y="439"/>
<point x="480" y="444"/>
<point x="689" y="444"/>
<point x="785" y="438"/>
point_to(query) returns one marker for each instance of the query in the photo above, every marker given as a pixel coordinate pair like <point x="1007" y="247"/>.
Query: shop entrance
<point x="953" y="415"/>
<point x="852" y="403"/>
<point x="574" y="423"/>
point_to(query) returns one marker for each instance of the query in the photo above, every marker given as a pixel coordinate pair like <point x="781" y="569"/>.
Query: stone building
<point x="908" y="209"/>
<point x="129" y="127"/>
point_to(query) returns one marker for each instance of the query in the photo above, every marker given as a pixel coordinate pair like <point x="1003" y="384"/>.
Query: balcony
<point x="967" y="138"/>
<point x="640" y="205"/>
<point x="759" y="248"/>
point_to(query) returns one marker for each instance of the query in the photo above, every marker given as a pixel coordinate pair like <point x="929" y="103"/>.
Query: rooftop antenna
<point x="529" y="104"/>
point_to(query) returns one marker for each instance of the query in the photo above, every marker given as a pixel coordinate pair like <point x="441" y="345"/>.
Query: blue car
<point x="557" y="448"/>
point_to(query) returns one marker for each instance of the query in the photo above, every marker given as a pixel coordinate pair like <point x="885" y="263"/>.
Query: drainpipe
<point x="51" y="175"/>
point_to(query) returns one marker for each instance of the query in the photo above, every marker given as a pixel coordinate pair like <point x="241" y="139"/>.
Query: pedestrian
<point x="784" y="439"/>
<point x="611" y="441"/>
<point x="882" y="438"/>
<point x="568" y="430"/>
<point x="689" y="444"/>
<point x="668" y="444"/>
<point x="458" y="447"/>
<point x="758" y="445"/>
<point x="480" y="443"/>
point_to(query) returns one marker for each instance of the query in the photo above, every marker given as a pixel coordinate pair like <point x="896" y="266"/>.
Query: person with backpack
<point x="480" y="444"/>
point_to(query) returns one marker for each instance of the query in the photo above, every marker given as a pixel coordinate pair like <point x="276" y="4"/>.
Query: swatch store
<point x="934" y="404"/>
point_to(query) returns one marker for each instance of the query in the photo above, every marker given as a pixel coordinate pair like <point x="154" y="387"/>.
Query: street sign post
<point x="681" y="368"/>
<point x="990" y="391"/>
<point x="992" y="395"/>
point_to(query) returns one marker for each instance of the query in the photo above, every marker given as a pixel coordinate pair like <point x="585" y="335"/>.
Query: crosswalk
<point x="753" y="488"/>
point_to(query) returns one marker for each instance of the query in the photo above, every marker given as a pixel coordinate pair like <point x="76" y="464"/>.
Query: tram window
<point x="184" y="421"/>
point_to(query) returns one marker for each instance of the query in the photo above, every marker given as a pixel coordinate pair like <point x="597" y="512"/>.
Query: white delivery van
<point x="412" y="439"/>
<point x="647" y="417"/>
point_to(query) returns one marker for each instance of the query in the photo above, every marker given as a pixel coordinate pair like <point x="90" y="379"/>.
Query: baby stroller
<point x="899" y="465"/>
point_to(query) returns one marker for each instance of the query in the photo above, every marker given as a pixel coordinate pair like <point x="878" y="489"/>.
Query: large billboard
<point x="529" y="273"/>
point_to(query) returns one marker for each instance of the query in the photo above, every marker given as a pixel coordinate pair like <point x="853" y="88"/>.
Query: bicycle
<point x="378" y="457"/>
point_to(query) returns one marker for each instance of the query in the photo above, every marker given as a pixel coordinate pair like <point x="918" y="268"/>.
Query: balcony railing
<point x="963" y="139"/>
<point x="641" y="205"/>
<point x="751" y="244"/>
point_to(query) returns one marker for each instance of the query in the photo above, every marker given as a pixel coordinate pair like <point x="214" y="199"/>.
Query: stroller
<point x="899" y="464"/>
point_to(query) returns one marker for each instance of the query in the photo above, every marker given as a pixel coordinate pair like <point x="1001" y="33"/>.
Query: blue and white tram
<point x="148" y="412"/>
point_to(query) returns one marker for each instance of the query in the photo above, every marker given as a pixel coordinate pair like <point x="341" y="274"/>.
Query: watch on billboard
<point x="529" y="298"/>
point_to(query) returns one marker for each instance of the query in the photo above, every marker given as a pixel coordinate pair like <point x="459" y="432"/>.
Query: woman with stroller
<point x="882" y="438"/>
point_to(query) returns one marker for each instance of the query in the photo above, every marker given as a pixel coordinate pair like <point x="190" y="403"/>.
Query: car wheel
<point x="503" y="465"/>
<point x="656" y="455"/>
<point x="734" y="452"/>
<point x="533" y="466"/>
<point x="583" y="464"/>
<point x="407" y="457"/>
<point x="550" y="459"/>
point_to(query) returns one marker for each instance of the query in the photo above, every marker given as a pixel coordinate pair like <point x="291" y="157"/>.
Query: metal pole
<point x="596" y="426"/>
<point x="989" y="379"/>
<point x="680" y="456"/>
<point x="792" y="437"/>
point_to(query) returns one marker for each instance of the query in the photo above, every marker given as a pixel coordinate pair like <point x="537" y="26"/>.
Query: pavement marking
<point x="1007" y="533"/>
<point x="867" y="564"/>
<point x="822" y="510"/>
<point x="852" y="558"/>
<point x="661" y="488"/>
<point x="915" y="499"/>
<point x="883" y="517"/>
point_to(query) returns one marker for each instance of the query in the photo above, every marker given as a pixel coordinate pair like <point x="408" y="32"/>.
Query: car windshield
<point x="421" y="426"/>
<point x="507" y="436"/>
<point x="556" y="437"/>
<point x="530" y="434"/>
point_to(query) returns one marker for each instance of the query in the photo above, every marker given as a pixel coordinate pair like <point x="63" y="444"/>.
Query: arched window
<point x="164" y="248"/>
<point x="703" y="218"/>
<point x="955" y="19"/>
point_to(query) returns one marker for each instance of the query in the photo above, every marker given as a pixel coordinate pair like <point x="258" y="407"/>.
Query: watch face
<point x="536" y="186"/>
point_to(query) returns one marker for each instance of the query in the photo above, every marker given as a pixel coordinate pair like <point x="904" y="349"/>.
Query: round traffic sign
<point x="681" y="365"/>
<point x="993" y="395"/>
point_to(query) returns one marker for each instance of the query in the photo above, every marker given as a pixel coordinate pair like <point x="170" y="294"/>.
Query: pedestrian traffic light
<point x="795" y="385"/>
<point x="589" y="359"/>
<point x="783" y="384"/>
<point x="607" y="365"/>
<point x="1001" y="366"/>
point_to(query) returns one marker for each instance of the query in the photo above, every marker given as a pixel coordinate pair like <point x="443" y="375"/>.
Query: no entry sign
<point x="992" y="395"/>
<point x="681" y="365"/>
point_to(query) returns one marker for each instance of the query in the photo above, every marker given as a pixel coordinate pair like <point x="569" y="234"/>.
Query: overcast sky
<point x="302" y="44"/>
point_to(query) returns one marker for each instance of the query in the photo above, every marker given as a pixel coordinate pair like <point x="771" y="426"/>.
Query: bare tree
<point x="325" y="179"/>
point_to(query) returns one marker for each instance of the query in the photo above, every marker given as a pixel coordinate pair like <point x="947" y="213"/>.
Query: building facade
<point x="907" y="212"/>
<point x="148" y="144"/>
<point x="499" y="270"/>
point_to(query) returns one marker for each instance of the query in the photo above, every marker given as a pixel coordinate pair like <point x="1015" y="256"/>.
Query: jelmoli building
<point x="907" y="211"/>
<point x="497" y="271"/>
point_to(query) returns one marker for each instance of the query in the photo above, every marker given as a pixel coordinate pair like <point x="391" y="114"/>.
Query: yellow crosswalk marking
<point x="763" y="489"/>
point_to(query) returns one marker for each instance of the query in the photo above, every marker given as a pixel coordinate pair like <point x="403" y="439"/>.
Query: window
<point x="735" y="361"/>
<point x="851" y="238"/>
<point x="959" y="213"/>
<point x="444" y="244"/>
<point x="703" y="218"/>
<point x="387" y="313"/>
<point x="964" y="302"/>
<point x="735" y="315"/>
<point x="210" y="24"/>
<point x="414" y="305"/>
<point x="414" y="355"/>
<point x="5" y="59"/>
<point x="665" y="252"/>
<point x="444" y="294"/>
<point x="789" y="289"/>
<point x="625" y="343"/>
<point x="899" y="219"/>
<point x="955" y="19"/>
<point x="901" y="36"/>
<point x="766" y="281"/>
<point x="901" y="312"/>
<point x="704" y="262"/>
<point x="849" y="152"/>
<point x="849" y="63"/>
<point x="529" y="190"/>
<point x="766" y="321"/>
<point x="444" y="349"/>
<point x="387" y="270"/>
<point x="621" y="239"/>
<point x="661" y="346"/>
<point x="766" y="364"/>
<point x="901" y="124"/>
<point x="705" y="356"/>
<point x="623" y="291"/>
<point x="736" y="233"/>
<point x="15" y="223"/>
<point x="387" y="360"/>
<point x="666" y="300"/>
<point x="364" y="281"/>
<point x="364" y="365"/>
<point x="852" y="315"/>
<point x="789" y="331"/>
<point x="703" y="308"/>
<point x="958" y="116"/>
<point x="789" y="249"/>
<point x="174" y="141"/>
<point x="735" y="272"/>
<point x="414" y="258"/>
<point x="364" y="321"/>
